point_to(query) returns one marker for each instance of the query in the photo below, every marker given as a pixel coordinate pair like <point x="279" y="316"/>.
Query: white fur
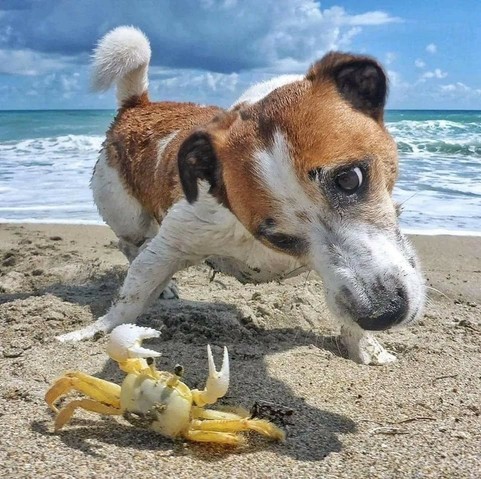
<point x="131" y="223"/>
<point x="353" y="256"/>
<point x="120" y="210"/>
<point x="189" y="234"/>
<point x="122" y="56"/>
<point x="348" y="256"/>
<point x="276" y="169"/>
<point x="208" y="231"/>
<point x="260" y="90"/>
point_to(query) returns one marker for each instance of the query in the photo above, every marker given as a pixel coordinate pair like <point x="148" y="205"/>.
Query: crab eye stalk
<point x="349" y="181"/>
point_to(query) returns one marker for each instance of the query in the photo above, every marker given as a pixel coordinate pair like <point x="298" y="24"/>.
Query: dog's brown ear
<point x="359" y="79"/>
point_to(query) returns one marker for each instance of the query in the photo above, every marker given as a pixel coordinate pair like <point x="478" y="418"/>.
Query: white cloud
<point x="370" y="18"/>
<point x="198" y="86"/>
<point x="303" y="32"/>
<point x="460" y="88"/>
<point x="432" y="48"/>
<point x="419" y="63"/>
<point x="436" y="73"/>
<point x="265" y="34"/>
<point x="6" y="34"/>
<point x="69" y="84"/>
<point x="390" y="57"/>
<point x="187" y="79"/>
<point x="29" y="63"/>
<point x="345" y="39"/>
<point x="396" y="81"/>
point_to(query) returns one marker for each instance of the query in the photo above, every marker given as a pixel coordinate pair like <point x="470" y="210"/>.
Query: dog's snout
<point x="386" y="312"/>
<point x="376" y="282"/>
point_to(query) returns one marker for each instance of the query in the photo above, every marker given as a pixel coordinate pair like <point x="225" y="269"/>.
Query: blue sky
<point x="209" y="51"/>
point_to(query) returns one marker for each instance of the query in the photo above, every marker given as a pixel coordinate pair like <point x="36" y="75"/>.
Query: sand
<point x="416" y="418"/>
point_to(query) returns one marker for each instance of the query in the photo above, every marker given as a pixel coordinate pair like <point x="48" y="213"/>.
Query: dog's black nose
<point x="386" y="315"/>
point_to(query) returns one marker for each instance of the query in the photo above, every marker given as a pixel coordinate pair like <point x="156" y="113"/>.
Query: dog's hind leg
<point x="131" y="223"/>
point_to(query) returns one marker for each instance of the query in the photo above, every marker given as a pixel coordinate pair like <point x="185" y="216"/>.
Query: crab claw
<point x="218" y="381"/>
<point x="125" y="342"/>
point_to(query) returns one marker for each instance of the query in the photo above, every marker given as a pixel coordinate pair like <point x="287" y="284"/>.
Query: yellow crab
<point x="157" y="400"/>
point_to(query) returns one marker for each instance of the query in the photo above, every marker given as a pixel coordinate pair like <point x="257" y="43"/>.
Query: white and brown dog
<point x="297" y="175"/>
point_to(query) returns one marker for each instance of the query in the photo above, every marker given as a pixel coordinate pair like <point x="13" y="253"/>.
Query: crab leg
<point x="217" y="381"/>
<point x="96" y="388"/>
<point x="261" y="426"/>
<point x="66" y="413"/>
<point x="216" y="437"/>
<point x="200" y="413"/>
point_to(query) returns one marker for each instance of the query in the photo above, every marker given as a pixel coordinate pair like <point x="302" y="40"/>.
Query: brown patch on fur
<point x="323" y="130"/>
<point x="324" y="126"/>
<point x="321" y="127"/>
<point x="136" y="100"/>
<point x="247" y="195"/>
<point x="132" y="148"/>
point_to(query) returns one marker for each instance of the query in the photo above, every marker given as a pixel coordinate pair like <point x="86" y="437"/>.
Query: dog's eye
<point x="349" y="181"/>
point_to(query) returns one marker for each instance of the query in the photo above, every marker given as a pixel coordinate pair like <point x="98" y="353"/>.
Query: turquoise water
<point x="46" y="159"/>
<point x="440" y="168"/>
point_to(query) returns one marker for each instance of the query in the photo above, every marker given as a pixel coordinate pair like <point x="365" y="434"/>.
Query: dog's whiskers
<point x="286" y="275"/>
<point x="399" y="206"/>
<point x="438" y="291"/>
<point x="307" y="277"/>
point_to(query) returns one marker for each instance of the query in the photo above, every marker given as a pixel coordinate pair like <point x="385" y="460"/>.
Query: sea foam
<point x="44" y="175"/>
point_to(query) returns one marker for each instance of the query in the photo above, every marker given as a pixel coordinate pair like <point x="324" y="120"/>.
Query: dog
<point x="297" y="175"/>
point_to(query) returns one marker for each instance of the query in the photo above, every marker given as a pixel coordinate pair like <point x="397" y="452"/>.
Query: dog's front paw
<point x="171" y="291"/>
<point x="364" y="348"/>
<point x="375" y="356"/>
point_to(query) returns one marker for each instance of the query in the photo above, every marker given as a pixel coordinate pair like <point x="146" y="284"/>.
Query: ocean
<point x="46" y="160"/>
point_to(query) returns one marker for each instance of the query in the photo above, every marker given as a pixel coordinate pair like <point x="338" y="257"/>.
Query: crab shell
<point x="167" y="408"/>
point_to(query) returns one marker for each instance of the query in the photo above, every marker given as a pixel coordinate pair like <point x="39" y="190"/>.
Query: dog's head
<point x="309" y="170"/>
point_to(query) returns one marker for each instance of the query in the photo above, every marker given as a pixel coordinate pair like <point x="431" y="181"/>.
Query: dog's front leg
<point x="147" y="277"/>
<point x="363" y="347"/>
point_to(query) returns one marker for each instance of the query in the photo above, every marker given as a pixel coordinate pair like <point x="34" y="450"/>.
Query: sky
<point x="209" y="51"/>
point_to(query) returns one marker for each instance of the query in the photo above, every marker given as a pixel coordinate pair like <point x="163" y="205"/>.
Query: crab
<point x="157" y="400"/>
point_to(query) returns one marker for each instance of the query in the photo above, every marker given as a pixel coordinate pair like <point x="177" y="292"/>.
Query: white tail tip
<point x="122" y="56"/>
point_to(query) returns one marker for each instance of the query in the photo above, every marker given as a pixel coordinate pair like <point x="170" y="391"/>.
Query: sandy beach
<point x="415" y="418"/>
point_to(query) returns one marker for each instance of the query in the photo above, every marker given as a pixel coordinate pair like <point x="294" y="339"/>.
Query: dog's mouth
<point x="373" y="279"/>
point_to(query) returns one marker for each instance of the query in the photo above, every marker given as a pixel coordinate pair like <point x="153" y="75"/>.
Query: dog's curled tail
<point x="122" y="56"/>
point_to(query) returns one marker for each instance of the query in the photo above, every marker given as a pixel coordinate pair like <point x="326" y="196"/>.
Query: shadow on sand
<point x="187" y="326"/>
